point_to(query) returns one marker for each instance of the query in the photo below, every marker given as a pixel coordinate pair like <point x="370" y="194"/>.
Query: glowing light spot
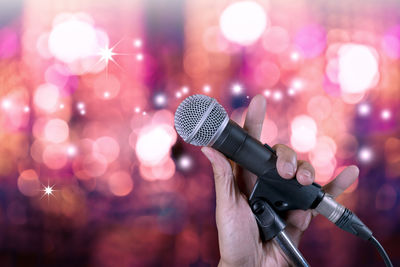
<point x="144" y="113"/>
<point x="6" y="104"/>
<point x="185" y="90"/>
<point x="56" y="131"/>
<point x="160" y="100"/>
<point x="73" y="39"/>
<point x="46" y="97"/>
<point x="386" y="114"/>
<point x="291" y="91"/>
<point x="154" y="143"/>
<point x="243" y="22"/>
<point x="82" y="112"/>
<point x="267" y="93"/>
<point x="236" y="89"/>
<point x="120" y="183"/>
<point x="297" y="84"/>
<point x="185" y="162"/>
<point x="294" y="56"/>
<point x="137" y="109"/>
<point x="178" y="94"/>
<point x="277" y="95"/>
<point x="80" y="105"/>
<point x="137" y="43"/>
<point x="304" y="131"/>
<point x="365" y="154"/>
<point x="139" y="57"/>
<point x="106" y="94"/>
<point x="26" y="109"/>
<point x="364" y="109"/>
<point x="358" y="68"/>
<point x="62" y="106"/>
<point x="206" y="88"/>
<point x="71" y="150"/>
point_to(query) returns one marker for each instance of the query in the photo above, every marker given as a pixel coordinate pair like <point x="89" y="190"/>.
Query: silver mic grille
<point x="199" y="120"/>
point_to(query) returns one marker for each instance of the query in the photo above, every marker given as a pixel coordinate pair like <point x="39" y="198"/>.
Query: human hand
<point x="238" y="235"/>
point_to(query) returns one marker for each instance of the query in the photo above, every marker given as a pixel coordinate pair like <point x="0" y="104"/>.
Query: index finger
<point x="253" y="125"/>
<point x="255" y="116"/>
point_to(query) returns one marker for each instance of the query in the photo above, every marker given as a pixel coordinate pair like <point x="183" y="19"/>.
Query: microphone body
<point x="236" y="144"/>
<point x="200" y="120"/>
<point x="261" y="159"/>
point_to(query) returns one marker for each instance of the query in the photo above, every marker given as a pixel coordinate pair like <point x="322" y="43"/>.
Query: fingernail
<point x="288" y="168"/>
<point x="306" y="175"/>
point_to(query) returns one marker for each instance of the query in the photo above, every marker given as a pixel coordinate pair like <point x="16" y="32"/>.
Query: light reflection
<point x="386" y="114"/>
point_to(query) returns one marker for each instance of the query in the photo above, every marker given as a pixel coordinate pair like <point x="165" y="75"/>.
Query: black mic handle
<point x="251" y="154"/>
<point x="283" y="194"/>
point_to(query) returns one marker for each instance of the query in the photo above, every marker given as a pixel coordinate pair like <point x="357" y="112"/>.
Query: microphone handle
<point x="283" y="194"/>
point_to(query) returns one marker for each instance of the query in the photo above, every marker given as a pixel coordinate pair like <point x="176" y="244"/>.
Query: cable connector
<point x="352" y="224"/>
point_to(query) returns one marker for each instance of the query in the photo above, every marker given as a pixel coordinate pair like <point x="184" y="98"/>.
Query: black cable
<point x="381" y="251"/>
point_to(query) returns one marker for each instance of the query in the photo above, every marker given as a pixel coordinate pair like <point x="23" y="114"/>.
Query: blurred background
<point x="92" y="172"/>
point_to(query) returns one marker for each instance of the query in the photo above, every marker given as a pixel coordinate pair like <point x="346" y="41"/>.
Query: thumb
<point x="225" y="187"/>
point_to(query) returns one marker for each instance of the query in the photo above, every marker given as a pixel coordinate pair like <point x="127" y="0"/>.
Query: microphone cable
<point x="381" y="251"/>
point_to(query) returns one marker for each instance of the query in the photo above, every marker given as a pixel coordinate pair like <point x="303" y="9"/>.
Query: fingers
<point x="287" y="161"/>
<point x="255" y="116"/>
<point x="253" y="125"/>
<point x="225" y="187"/>
<point x="305" y="173"/>
<point x="346" y="178"/>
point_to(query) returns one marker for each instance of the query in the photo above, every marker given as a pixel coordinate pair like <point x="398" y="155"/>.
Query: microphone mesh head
<point x="198" y="118"/>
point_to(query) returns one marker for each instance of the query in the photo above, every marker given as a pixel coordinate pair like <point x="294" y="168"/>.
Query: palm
<point x="238" y="234"/>
<point x="239" y="227"/>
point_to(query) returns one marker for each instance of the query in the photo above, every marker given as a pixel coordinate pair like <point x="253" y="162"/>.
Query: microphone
<point x="201" y="121"/>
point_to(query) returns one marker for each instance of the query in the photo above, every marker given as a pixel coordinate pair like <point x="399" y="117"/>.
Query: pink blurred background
<point x="92" y="172"/>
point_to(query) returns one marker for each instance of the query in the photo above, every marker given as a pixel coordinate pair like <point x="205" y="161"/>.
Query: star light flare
<point x="106" y="54"/>
<point x="48" y="191"/>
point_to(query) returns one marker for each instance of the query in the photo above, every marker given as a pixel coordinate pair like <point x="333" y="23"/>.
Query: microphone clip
<point x="272" y="227"/>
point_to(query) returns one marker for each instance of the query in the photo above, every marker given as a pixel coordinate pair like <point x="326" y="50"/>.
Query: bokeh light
<point x="243" y="22"/>
<point x="304" y="131"/>
<point x="46" y="97"/>
<point x="67" y="29"/>
<point x="56" y="131"/>
<point x="154" y="143"/>
<point x="120" y="183"/>
<point x="28" y="183"/>
<point x="88" y="95"/>
<point x="358" y="68"/>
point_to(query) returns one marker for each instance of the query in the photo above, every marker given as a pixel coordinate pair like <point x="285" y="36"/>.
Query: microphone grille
<point x="199" y="118"/>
